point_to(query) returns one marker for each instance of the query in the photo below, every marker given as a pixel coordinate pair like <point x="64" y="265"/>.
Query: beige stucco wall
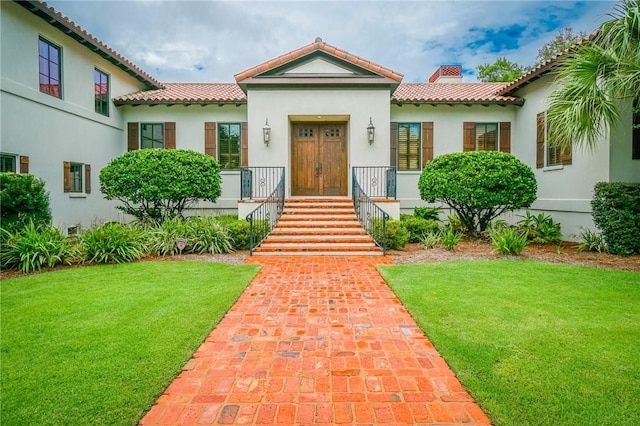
<point x="51" y="130"/>
<point x="277" y="105"/>
<point x="623" y="167"/>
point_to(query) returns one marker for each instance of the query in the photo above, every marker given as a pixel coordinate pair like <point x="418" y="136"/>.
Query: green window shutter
<point x="170" y="135"/>
<point x="132" y="136"/>
<point x="468" y="136"/>
<point x="393" y="144"/>
<point x="505" y="136"/>
<point x="427" y="142"/>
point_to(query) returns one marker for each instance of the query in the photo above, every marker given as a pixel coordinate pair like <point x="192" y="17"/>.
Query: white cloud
<point x="213" y="40"/>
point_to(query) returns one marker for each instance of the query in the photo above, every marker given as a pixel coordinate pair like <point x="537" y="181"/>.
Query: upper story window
<point x="487" y="137"/>
<point x="50" y="67"/>
<point x="229" y="145"/>
<point x="8" y="163"/>
<point x="408" y="146"/>
<point x="101" y="92"/>
<point x="548" y="155"/>
<point x="151" y="135"/>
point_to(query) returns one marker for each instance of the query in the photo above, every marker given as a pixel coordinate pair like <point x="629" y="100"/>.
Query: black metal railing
<point x="377" y="181"/>
<point x="264" y="217"/>
<point x="372" y="218"/>
<point x="259" y="182"/>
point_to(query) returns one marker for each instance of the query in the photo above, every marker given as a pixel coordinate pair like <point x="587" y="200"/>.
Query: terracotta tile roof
<point x="542" y="68"/>
<point x="73" y="30"/>
<point x="452" y="93"/>
<point x="318" y="45"/>
<point x="186" y="94"/>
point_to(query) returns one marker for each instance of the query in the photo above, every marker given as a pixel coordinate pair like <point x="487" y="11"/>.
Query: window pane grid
<point x="229" y="145"/>
<point x="408" y="146"/>
<point x="101" y="90"/>
<point x="486" y="136"/>
<point x="76" y="177"/>
<point x="7" y="163"/>
<point x="152" y="135"/>
<point x="49" y="68"/>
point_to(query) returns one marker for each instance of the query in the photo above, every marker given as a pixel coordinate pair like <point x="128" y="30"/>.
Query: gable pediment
<point x="318" y="64"/>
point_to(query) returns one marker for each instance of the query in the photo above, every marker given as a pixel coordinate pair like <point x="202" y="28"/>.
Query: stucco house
<point x="70" y="104"/>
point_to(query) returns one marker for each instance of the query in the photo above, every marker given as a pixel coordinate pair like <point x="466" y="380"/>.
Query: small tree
<point x="23" y="199"/>
<point x="478" y="185"/>
<point x="501" y="70"/>
<point x="154" y="184"/>
<point x="562" y="41"/>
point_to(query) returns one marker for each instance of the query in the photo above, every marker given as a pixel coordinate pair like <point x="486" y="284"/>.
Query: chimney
<point x="447" y="74"/>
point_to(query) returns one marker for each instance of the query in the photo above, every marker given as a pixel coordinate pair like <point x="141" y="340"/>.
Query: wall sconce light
<point x="371" y="132"/>
<point x="266" y="132"/>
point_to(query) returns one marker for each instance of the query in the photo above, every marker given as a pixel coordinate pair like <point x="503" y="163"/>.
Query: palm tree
<point x="596" y="78"/>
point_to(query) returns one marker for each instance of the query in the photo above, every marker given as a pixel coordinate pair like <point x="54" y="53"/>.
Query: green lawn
<point x="534" y="343"/>
<point x="97" y="345"/>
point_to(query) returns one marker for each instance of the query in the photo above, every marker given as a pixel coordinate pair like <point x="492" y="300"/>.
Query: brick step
<point x="319" y="239"/>
<point x="317" y="225"/>
<point x="317" y="253"/>
<point x="319" y="217"/>
<point x="318" y="200"/>
<point x="318" y="211"/>
<point x="296" y="248"/>
<point x="281" y="230"/>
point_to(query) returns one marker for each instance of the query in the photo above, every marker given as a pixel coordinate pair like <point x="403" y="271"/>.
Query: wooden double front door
<point x="319" y="159"/>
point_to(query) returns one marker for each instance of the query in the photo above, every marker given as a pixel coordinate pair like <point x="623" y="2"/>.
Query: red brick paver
<point x="316" y="340"/>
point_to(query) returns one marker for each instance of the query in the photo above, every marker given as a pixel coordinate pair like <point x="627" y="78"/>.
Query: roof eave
<point x="59" y="21"/>
<point x="483" y="102"/>
<point x="319" y="81"/>
<point x="184" y="102"/>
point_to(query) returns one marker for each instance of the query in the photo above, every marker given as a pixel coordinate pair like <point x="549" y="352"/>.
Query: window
<point x="548" y="155"/>
<point x="229" y="146"/>
<point x="8" y="163"/>
<point x="151" y="135"/>
<point x="77" y="177"/>
<point x="408" y="146"/>
<point x="101" y="92"/>
<point x="486" y="136"/>
<point x="50" y="68"/>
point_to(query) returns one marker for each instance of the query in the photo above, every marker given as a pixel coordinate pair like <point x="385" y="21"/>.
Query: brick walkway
<point x="316" y="340"/>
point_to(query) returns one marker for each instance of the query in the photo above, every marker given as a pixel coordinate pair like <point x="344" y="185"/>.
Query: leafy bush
<point x="155" y="184"/>
<point x="591" y="241"/>
<point x="238" y="231"/>
<point x="201" y="235"/>
<point x="508" y="241"/>
<point x="431" y="239"/>
<point x="454" y="223"/>
<point x="397" y="235"/>
<point x="451" y="238"/>
<point x="616" y="211"/>
<point x="540" y="228"/>
<point x="478" y="185"/>
<point x="430" y="213"/>
<point x="112" y="243"/>
<point x="33" y="247"/>
<point x="417" y="227"/>
<point x="24" y="200"/>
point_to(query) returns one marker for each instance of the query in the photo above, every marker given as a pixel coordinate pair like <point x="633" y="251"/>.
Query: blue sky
<point x="210" y="41"/>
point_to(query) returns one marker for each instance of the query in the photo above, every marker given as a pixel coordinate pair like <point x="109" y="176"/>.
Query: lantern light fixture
<point x="371" y="132"/>
<point x="266" y="132"/>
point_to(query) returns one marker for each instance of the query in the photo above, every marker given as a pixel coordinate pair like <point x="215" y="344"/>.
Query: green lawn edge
<point x="99" y="344"/>
<point x="534" y="343"/>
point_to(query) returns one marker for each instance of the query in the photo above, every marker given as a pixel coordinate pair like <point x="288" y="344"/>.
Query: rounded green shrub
<point x="616" y="212"/>
<point x="238" y="231"/>
<point x="24" y="200"/>
<point x="397" y="235"/>
<point x="478" y="185"/>
<point x="155" y="184"/>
